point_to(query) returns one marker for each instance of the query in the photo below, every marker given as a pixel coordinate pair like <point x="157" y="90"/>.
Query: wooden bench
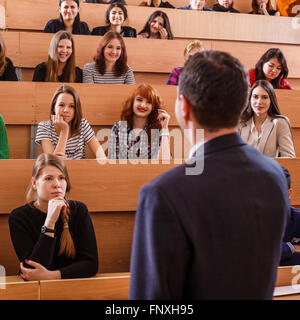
<point x="26" y="15"/>
<point x="102" y="106"/>
<point x="110" y="286"/>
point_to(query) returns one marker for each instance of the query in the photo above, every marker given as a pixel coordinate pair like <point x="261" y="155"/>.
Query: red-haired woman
<point x="142" y="132"/>
<point x="110" y="66"/>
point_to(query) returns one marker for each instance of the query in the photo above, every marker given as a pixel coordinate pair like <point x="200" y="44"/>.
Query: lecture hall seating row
<point x="26" y="15"/>
<point x="25" y="104"/>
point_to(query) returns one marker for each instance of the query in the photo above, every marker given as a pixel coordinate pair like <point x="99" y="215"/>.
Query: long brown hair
<point x="273" y="111"/>
<point x="69" y="74"/>
<point x="255" y="6"/>
<point x="148" y="92"/>
<point x="120" y="66"/>
<point x="2" y="56"/>
<point x="76" y="121"/>
<point x="45" y="159"/>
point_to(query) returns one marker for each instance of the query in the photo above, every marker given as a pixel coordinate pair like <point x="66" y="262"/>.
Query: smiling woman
<point x="67" y="134"/>
<point x="69" y="19"/>
<point x="60" y="66"/>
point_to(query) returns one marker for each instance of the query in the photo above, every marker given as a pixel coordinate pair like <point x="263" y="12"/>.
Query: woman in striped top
<point x="67" y="133"/>
<point x="110" y="66"/>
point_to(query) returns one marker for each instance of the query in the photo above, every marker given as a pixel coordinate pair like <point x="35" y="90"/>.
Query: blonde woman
<point x="7" y="69"/>
<point x="60" y="66"/>
<point x="53" y="237"/>
<point x="190" y="49"/>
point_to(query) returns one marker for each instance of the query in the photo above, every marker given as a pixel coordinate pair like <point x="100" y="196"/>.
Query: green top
<point x="4" y="151"/>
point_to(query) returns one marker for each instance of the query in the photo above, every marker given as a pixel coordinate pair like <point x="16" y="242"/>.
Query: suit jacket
<point x="216" y="235"/>
<point x="277" y="140"/>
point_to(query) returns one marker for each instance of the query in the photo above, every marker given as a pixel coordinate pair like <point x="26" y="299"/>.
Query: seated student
<point x="290" y="248"/>
<point x="7" y="69"/>
<point x="53" y="237"/>
<point x="196" y="5"/>
<point x="4" y="150"/>
<point x="115" y="16"/>
<point x="67" y="134"/>
<point x="272" y="67"/>
<point x="133" y="137"/>
<point x="157" y="4"/>
<point x="60" y="66"/>
<point x="191" y="48"/>
<point x="263" y="127"/>
<point x="225" y="6"/>
<point x="110" y="66"/>
<point x="69" y="19"/>
<point x="157" y="27"/>
<point x="263" y="7"/>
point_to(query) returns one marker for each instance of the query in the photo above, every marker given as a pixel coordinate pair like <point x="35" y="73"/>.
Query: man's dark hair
<point x="215" y="84"/>
<point x="287" y="176"/>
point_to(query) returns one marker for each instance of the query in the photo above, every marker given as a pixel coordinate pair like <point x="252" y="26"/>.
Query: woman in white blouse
<point x="263" y="127"/>
<point x="67" y="134"/>
<point x="110" y="66"/>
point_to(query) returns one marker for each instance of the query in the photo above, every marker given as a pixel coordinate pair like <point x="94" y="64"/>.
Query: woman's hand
<point x="61" y="155"/>
<point x="163" y="33"/>
<point x="55" y="206"/>
<point x="163" y="118"/>
<point x="38" y="273"/>
<point x="59" y="121"/>
<point x="263" y="8"/>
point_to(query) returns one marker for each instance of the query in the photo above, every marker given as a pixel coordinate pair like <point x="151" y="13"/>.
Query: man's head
<point x="213" y="88"/>
<point x="197" y="4"/>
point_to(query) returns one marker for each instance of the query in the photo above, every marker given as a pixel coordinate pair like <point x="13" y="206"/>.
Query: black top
<point x="125" y="31"/>
<point x="25" y="230"/>
<point x="9" y="73"/>
<point x="164" y="5"/>
<point x="270" y="12"/>
<point x="40" y="72"/>
<point x="55" y="25"/>
<point x="218" y="7"/>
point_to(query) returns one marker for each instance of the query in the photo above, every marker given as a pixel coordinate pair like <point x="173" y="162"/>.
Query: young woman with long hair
<point x="272" y="66"/>
<point x="263" y="7"/>
<point x="116" y="15"/>
<point x="143" y="130"/>
<point x="225" y="6"/>
<point x="110" y="66"/>
<point x="157" y="27"/>
<point x="69" y="19"/>
<point x="7" y="69"/>
<point x="60" y="66"/>
<point x="263" y="126"/>
<point x="53" y="237"/>
<point x="67" y="133"/>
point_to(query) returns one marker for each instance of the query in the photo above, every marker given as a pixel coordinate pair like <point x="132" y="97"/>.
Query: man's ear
<point x="185" y="109"/>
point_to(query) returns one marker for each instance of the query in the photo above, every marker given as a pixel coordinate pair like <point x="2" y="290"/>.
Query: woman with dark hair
<point x="157" y="27"/>
<point x="143" y="131"/>
<point x="225" y="6"/>
<point x="115" y="16"/>
<point x="263" y="127"/>
<point x="272" y="67"/>
<point x="110" y="66"/>
<point x="67" y="133"/>
<point x="61" y="65"/>
<point x="7" y="69"/>
<point x="69" y="19"/>
<point x="157" y="4"/>
<point x="53" y="237"/>
<point x="263" y="7"/>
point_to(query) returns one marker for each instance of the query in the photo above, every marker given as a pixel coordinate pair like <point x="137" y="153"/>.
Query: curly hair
<point x="146" y="91"/>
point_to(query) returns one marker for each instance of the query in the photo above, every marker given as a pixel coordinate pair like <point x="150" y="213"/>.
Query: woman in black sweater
<point x="7" y="69"/>
<point x="53" y="237"/>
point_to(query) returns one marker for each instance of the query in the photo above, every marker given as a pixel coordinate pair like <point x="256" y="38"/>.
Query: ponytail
<point x="66" y="242"/>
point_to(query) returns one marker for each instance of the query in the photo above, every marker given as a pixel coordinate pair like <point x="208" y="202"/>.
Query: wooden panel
<point x="208" y="25"/>
<point x="101" y="287"/>
<point x="12" y="44"/>
<point x="18" y="141"/>
<point x="17" y="289"/>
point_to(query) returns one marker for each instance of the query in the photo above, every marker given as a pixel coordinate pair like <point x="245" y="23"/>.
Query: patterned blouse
<point x="174" y="76"/>
<point x="123" y="144"/>
<point x="76" y="145"/>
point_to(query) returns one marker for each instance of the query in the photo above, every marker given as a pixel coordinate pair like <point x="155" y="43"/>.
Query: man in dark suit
<point x="213" y="233"/>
